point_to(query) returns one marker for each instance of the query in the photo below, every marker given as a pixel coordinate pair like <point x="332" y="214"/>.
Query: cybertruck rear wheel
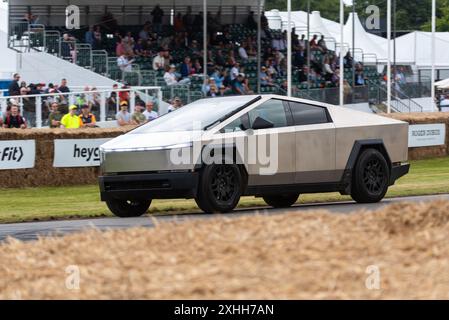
<point x="370" y="177"/>
<point x="281" y="201"/>
<point x="220" y="188"/>
<point x="128" y="208"/>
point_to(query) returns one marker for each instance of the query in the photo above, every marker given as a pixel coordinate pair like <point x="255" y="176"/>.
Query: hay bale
<point x="308" y="255"/>
<point x="44" y="174"/>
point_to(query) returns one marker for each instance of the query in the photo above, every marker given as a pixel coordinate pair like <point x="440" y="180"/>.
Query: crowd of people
<point x="59" y="113"/>
<point x="228" y="55"/>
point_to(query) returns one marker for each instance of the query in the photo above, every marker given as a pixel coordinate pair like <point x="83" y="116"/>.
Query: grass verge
<point x="36" y="204"/>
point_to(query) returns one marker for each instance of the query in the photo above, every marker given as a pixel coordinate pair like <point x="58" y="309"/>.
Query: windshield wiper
<point x="230" y="114"/>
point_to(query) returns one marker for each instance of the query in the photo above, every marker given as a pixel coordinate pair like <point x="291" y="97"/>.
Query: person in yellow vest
<point x="71" y="119"/>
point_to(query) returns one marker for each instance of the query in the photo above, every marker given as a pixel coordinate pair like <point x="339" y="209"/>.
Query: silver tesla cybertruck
<point x="217" y="150"/>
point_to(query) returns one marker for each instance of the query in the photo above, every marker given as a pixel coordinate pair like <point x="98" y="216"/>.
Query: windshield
<point x="195" y="116"/>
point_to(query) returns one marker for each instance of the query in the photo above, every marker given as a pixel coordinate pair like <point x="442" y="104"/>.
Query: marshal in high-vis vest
<point x="217" y="150"/>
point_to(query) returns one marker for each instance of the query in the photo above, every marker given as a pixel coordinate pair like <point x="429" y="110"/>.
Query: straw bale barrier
<point x="302" y="255"/>
<point x="43" y="173"/>
<point x="426" y="118"/>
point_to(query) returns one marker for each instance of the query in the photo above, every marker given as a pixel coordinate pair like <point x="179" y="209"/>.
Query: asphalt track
<point x="32" y="230"/>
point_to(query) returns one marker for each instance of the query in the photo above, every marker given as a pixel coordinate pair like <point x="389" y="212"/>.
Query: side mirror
<point x="261" y="123"/>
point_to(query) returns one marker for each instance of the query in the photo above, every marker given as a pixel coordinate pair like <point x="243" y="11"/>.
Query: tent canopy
<point x="369" y="43"/>
<point x="415" y="48"/>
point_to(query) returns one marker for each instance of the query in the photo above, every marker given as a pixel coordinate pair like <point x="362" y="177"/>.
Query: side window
<point x="234" y="126"/>
<point x="304" y="114"/>
<point x="273" y="111"/>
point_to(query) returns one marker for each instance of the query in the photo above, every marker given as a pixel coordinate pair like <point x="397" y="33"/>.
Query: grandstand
<point x="229" y="29"/>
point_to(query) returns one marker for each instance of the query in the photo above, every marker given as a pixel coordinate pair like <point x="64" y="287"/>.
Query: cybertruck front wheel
<point x="370" y="177"/>
<point x="281" y="201"/>
<point x="128" y="208"/>
<point x="220" y="188"/>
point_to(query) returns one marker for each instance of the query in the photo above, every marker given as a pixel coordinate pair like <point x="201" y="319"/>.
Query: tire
<point x="220" y="188"/>
<point x="128" y="208"/>
<point x="281" y="201"/>
<point x="370" y="178"/>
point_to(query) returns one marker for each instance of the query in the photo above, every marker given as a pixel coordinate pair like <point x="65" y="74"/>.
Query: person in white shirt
<point x="124" y="63"/>
<point x="243" y="54"/>
<point x="176" y="104"/>
<point x="170" y="77"/>
<point x="149" y="113"/>
<point x="235" y="71"/>
<point x="159" y="60"/>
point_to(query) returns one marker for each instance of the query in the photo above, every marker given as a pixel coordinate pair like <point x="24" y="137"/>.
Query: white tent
<point x="415" y="49"/>
<point x="364" y="41"/>
<point x="367" y="42"/>
<point x="443" y="84"/>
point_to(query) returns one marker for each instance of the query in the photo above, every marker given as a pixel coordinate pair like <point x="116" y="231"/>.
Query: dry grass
<point x="312" y="255"/>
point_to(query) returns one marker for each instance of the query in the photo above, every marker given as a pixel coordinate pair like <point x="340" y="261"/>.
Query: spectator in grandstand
<point x="171" y="78"/>
<point x="120" y="47"/>
<point x="157" y="14"/>
<point x="279" y="43"/>
<point x="63" y="86"/>
<point x="243" y="54"/>
<point x="71" y="119"/>
<point x="139" y="49"/>
<point x="14" y="119"/>
<point x="302" y="42"/>
<point x="237" y="84"/>
<point x="235" y="71"/>
<point x="123" y="116"/>
<point x="176" y="104"/>
<point x="14" y="87"/>
<point x="125" y="62"/>
<point x="98" y="40"/>
<point x="359" y="78"/>
<point x="197" y="25"/>
<point x="209" y="88"/>
<point x="89" y="36"/>
<point x="86" y="118"/>
<point x="348" y="61"/>
<point x="124" y="95"/>
<point x="251" y="22"/>
<point x="178" y="23"/>
<point x="54" y="119"/>
<point x="68" y="50"/>
<point x="265" y="79"/>
<point x="159" y="60"/>
<point x="144" y="34"/>
<point x="186" y="68"/>
<point x="328" y="72"/>
<point x="322" y="44"/>
<point x="28" y="106"/>
<point x="138" y="117"/>
<point x="112" y="102"/>
<point x="149" y="113"/>
<point x="128" y="43"/>
<point x="313" y="42"/>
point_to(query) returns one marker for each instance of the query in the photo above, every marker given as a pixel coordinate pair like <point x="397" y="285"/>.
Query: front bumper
<point x="149" y="186"/>
<point x="398" y="171"/>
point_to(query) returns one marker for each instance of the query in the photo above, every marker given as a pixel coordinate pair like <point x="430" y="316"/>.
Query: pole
<point x="394" y="42"/>
<point x="389" y="56"/>
<point x="259" y="45"/>
<point x="433" y="51"/>
<point x="205" y="40"/>
<point x="353" y="50"/>
<point x="308" y="47"/>
<point x="289" y="49"/>
<point x="341" y="53"/>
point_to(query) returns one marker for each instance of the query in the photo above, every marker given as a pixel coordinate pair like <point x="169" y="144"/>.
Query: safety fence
<point x="104" y="103"/>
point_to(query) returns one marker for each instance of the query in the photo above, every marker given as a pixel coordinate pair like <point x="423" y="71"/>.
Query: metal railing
<point x="103" y="103"/>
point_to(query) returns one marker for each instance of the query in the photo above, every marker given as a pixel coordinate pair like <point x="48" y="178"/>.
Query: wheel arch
<point x="357" y="149"/>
